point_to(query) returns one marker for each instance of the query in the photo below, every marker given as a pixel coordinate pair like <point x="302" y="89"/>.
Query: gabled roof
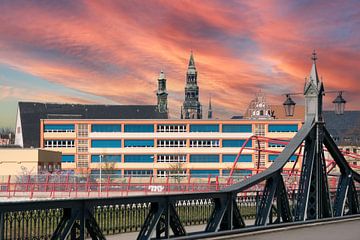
<point x="32" y="112"/>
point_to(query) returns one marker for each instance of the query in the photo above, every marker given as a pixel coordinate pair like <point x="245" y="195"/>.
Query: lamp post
<point x="339" y="103"/>
<point x="100" y="158"/>
<point x="289" y="106"/>
<point x="314" y="92"/>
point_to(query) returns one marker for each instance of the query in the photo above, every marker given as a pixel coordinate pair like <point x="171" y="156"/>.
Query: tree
<point x="176" y="171"/>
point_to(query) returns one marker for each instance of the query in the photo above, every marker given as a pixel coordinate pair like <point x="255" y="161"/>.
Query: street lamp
<point x="339" y="104"/>
<point x="289" y="106"/>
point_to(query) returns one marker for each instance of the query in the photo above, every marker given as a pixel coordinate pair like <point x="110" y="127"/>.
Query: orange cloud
<point x="115" y="49"/>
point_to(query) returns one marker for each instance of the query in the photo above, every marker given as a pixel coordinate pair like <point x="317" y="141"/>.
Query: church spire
<point x="210" y="112"/>
<point x="313" y="73"/>
<point x="191" y="61"/>
<point x="191" y="106"/>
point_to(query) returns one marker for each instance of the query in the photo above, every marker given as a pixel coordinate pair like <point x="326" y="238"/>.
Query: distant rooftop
<point x="31" y="113"/>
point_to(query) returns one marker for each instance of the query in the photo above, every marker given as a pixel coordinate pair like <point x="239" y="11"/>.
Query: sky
<point x="111" y="52"/>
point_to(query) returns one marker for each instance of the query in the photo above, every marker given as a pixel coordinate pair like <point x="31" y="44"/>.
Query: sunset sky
<point x="111" y="52"/>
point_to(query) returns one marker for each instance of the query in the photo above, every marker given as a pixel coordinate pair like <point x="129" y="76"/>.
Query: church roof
<point x="32" y="112"/>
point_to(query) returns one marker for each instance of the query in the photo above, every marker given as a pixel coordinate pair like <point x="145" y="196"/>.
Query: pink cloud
<point x="116" y="49"/>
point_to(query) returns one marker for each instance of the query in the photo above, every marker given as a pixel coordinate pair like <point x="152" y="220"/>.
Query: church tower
<point x="162" y="94"/>
<point x="191" y="107"/>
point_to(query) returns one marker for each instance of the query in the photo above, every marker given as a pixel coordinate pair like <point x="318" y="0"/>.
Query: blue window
<point x="59" y="128"/>
<point x="272" y="158"/>
<point x="105" y="128"/>
<point x="235" y="143"/>
<point x="138" y="173"/>
<point x="67" y="158"/>
<point x="139" y="143"/>
<point x="237" y="128"/>
<point x="204" y="173"/>
<point x="204" y="128"/>
<point x="106" y="158"/>
<point x="105" y="172"/>
<point x="283" y="127"/>
<point x="139" y="128"/>
<point x="232" y="157"/>
<point x="106" y="143"/>
<point x="204" y="158"/>
<point x="139" y="158"/>
<point x="237" y="172"/>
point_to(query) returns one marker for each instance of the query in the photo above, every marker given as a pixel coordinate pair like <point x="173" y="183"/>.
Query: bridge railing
<point x="122" y="218"/>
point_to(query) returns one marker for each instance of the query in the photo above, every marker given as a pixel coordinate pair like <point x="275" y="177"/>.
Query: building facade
<point x="163" y="147"/>
<point x="18" y="161"/>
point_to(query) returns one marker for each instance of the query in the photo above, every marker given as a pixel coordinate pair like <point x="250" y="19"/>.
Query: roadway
<point x="347" y="229"/>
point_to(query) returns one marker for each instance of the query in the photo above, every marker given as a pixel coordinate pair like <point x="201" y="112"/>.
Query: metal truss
<point x="312" y="202"/>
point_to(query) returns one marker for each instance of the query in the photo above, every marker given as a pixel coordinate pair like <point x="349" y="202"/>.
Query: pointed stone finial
<point x="162" y="75"/>
<point x="314" y="56"/>
<point x="191" y="61"/>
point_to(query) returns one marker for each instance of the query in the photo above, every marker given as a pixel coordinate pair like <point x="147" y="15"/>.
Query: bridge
<point x="276" y="207"/>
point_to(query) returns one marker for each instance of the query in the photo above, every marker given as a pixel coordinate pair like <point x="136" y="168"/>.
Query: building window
<point x="272" y="158"/>
<point x="204" y="173"/>
<point x="283" y="127"/>
<point x="106" y="143"/>
<point x="240" y="128"/>
<point x="83" y="145"/>
<point x="139" y="128"/>
<point x="67" y="158"/>
<point x="105" y="128"/>
<point x="59" y="128"/>
<point x="82" y="161"/>
<point x="204" y="143"/>
<point x="204" y="128"/>
<point x="171" y="143"/>
<point x="171" y="158"/>
<point x="59" y="143"/>
<point x="106" y="172"/>
<point x="138" y="173"/>
<point x="259" y="129"/>
<point x="171" y="128"/>
<point x="204" y="158"/>
<point x="276" y="145"/>
<point x="139" y="143"/>
<point x="235" y="143"/>
<point x="171" y="173"/>
<point x="105" y="158"/>
<point x="83" y="130"/>
<point x="139" y="158"/>
<point x="237" y="172"/>
<point x="232" y="157"/>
